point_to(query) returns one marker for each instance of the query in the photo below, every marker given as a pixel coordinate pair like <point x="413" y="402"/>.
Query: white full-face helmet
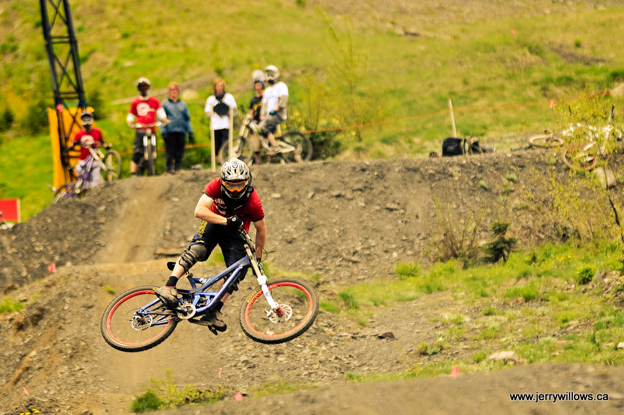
<point x="272" y="74"/>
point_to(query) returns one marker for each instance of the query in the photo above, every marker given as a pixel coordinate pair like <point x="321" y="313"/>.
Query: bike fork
<point x="262" y="280"/>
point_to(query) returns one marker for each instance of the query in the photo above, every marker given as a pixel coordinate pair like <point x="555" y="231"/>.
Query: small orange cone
<point x="26" y="391"/>
<point x="219" y="375"/>
<point x="238" y="396"/>
<point x="52" y="267"/>
<point x="455" y="371"/>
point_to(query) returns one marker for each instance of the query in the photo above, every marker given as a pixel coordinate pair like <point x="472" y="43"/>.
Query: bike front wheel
<point x="137" y="320"/>
<point x="298" y="308"/>
<point x="151" y="159"/>
<point x="242" y="149"/>
<point x="61" y="193"/>
<point x="302" y="144"/>
<point x="112" y="161"/>
<point x="545" y="141"/>
<point x="578" y="157"/>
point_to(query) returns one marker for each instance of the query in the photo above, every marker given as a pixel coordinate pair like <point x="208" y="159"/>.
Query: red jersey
<point x="251" y="212"/>
<point x="96" y="133"/>
<point x="145" y="111"/>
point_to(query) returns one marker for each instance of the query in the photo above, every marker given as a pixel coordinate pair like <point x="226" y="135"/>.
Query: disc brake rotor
<point x="141" y="322"/>
<point x="274" y="318"/>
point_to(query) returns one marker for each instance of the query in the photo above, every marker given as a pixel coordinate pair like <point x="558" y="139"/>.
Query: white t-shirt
<point x="271" y="98"/>
<point x="217" y="122"/>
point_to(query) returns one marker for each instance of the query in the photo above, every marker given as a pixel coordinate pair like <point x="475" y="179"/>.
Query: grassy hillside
<point x="379" y="62"/>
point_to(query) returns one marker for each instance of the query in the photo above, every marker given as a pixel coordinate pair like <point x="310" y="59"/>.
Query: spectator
<point x="255" y="111"/>
<point x="218" y="110"/>
<point x="89" y="137"/>
<point x="273" y="106"/>
<point x="175" y="132"/>
<point x="143" y="113"/>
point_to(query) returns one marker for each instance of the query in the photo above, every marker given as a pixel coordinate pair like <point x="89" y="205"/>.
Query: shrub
<point x="9" y="305"/>
<point x="585" y="274"/>
<point x="7" y="119"/>
<point x="349" y="300"/>
<point x="500" y="247"/>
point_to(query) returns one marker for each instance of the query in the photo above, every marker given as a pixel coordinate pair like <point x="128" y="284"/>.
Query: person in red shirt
<point x="144" y="111"/>
<point x="229" y="203"/>
<point x="89" y="137"/>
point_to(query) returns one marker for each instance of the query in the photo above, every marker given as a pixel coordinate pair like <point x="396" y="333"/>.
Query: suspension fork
<point x="262" y="280"/>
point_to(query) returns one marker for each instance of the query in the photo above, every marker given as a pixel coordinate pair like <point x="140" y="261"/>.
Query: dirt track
<point x="349" y="221"/>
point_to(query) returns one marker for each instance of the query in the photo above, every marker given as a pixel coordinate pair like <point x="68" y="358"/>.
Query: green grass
<point x="476" y="65"/>
<point x="9" y="305"/>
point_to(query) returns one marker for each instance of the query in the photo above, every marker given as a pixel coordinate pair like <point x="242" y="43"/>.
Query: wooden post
<point x="231" y="153"/>
<point x="212" y="147"/>
<point x="452" y="119"/>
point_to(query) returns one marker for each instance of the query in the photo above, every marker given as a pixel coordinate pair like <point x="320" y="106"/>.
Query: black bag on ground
<point x="452" y="146"/>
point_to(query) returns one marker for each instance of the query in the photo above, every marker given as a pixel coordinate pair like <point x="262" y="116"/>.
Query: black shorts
<point x="138" y="150"/>
<point x="211" y="235"/>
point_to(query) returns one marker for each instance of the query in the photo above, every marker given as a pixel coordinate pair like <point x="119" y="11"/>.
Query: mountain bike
<point x="108" y="166"/>
<point x="3" y="223"/>
<point x="601" y="142"/>
<point x="277" y="312"/>
<point x="148" y="161"/>
<point x="293" y="146"/>
<point x="546" y="140"/>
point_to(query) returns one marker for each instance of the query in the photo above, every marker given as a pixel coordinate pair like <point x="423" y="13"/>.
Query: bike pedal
<point x="213" y="330"/>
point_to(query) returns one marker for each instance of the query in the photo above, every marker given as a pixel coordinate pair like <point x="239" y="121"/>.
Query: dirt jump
<point x="347" y="222"/>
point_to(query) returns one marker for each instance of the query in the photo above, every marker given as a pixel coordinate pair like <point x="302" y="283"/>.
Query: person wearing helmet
<point x="144" y="111"/>
<point x="255" y="112"/>
<point x="273" y="105"/>
<point x="217" y="109"/>
<point x="229" y="203"/>
<point x="89" y="137"/>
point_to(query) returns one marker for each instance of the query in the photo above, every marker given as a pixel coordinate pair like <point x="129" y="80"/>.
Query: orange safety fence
<point x="551" y="103"/>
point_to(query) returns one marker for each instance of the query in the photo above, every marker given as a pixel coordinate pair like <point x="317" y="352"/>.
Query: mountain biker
<point x="273" y="105"/>
<point x="229" y="203"/>
<point x="218" y="110"/>
<point x="255" y="111"/>
<point x="89" y="137"/>
<point x="144" y="111"/>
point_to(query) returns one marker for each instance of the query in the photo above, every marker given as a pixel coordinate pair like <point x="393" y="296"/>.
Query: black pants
<point x="174" y="150"/>
<point x="221" y="137"/>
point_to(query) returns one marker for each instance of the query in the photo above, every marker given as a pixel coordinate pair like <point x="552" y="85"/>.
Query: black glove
<point x="107" y="146"/>
<point x="273" y="112"/>
<point x="234" y="222"/>
<point x="191" y="138"/>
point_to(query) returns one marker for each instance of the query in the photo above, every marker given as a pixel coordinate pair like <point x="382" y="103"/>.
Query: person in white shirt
<point x="273" y="105"/>
<point x="217" y="110"/>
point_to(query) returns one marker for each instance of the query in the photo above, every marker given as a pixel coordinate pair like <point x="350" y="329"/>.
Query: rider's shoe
<point x="214" y="317"/>
<point x="273" y="150"/>
<point x="168" y="295"/>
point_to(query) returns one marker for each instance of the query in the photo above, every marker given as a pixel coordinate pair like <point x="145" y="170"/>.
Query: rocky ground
<point x="347" y="221"/>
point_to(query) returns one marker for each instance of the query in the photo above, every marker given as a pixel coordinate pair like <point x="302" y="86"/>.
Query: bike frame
<point x="213" y="297"/>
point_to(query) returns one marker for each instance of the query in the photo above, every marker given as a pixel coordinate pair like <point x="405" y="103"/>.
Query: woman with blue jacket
<point x="175" y="132"/>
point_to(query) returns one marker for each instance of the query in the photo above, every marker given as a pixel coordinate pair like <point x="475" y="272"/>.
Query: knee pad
<point x="192" y="254"/>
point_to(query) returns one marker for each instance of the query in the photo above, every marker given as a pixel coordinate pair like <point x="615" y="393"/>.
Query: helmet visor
<point x="144" y="87"/>
<point x="235" y="187"/>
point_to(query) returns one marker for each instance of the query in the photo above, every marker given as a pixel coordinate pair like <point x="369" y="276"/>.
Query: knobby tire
<point x="135" y="297"/>
<point x="568" y="159"/>
<point x="260" y="330"/>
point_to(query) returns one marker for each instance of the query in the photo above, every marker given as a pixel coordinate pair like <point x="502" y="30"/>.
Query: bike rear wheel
<point x="137" y="320"/>
<point x="112" y="161"/>
<point x="545" y="141"/>
<point x="578" y="158"/>
<point x="299" y="307"/>
<point x="303" y="146"/>
<point x="242" y="150"/>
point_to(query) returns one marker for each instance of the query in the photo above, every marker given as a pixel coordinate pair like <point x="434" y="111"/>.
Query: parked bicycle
<point x="602" y="141"/>
<point x="148" y="161"/>
<point x="293" y="146"/>
<point x="277" y="312"/>
<point x="3" y="223"/>
<point x="109" y="169"/>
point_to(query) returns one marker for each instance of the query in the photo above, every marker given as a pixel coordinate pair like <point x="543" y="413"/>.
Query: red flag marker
<point x="238" y="396"/>
<point x="52" y="267"/>
<point x="219" y="375"/>
<point x="513" y="31"/>
<point x="454" y="372"/>
<point x="26" y="391"/>
<point x="552" y="104"/>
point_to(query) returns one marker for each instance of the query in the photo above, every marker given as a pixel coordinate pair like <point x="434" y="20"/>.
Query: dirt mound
<point x="349" y="221"/>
